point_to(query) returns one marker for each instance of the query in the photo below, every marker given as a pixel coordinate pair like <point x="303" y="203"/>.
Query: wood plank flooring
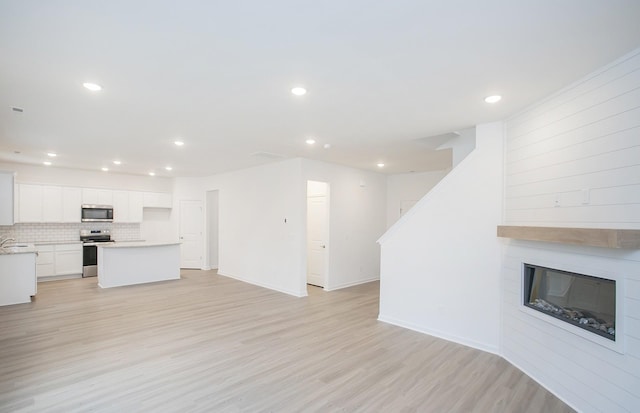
<point x="207" y="343"/>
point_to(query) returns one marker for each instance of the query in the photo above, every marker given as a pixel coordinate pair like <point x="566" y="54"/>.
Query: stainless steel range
<point x="90" y="239"/>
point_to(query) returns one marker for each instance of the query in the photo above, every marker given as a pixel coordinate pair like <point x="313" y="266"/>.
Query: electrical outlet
<point x="586" y="196"/>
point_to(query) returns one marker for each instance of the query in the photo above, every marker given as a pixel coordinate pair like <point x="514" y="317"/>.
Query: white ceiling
<point x="381" y="75"/>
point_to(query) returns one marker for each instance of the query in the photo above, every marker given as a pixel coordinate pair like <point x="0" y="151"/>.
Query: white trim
<point x="540" y="382"/>
<point x="264" y="285"/>
<point x="47" y="278"/>
<point x="439" y="334"/>
<point x="351" y="284"/>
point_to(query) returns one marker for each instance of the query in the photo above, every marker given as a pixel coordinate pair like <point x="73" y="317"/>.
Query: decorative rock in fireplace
<point x="581" y="300"/>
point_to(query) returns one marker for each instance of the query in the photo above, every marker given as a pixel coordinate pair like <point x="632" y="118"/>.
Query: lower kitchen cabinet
<point x="59" y="259"/>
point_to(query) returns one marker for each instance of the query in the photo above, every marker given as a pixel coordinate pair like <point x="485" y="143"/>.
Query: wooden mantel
<point x="595" y="237"/>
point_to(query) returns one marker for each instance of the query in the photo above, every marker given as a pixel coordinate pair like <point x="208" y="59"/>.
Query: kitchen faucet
<point x="4" y="241"/>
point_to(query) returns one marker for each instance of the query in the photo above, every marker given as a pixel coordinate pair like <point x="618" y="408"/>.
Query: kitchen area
<point x="52" y="230"/>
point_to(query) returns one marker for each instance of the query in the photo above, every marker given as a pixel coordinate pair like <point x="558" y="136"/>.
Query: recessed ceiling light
<point x="327" y="145"/>
<point x="92" y="86"/>
<point x="310" y="141"/>
<point x="47" y="163"/>
<point x="380" y="165"/>
<point x="493" y="98"/>
<point x="168" y="168"/>
<point x="117" y="162"/>
<point x="105" y="169"/>
<point x="152" y="174"/>
<point x="299" y="91"/>
<point x="178" y="143"/>
<point x="52" y="154"/>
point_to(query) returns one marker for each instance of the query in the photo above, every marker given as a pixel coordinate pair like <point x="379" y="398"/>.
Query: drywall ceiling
<point x="381" y="76"/>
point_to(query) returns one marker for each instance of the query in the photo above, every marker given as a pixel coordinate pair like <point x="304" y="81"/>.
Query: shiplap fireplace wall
<point x="574" y="161"/>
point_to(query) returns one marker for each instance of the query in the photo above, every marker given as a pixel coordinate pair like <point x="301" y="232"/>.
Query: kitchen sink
<point x="18" y="247"/>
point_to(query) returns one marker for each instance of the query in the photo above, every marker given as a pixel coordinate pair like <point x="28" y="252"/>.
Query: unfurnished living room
<point x="338" y="206"/>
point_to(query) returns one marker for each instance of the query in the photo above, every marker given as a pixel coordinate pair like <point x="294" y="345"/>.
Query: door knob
<point x="323" y="246"/>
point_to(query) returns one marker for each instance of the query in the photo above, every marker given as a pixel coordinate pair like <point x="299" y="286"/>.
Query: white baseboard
<point x="540" y="382"/>
<point x="263" y="285"/>
<point x="58" y="277"/>
<point x="351" y="284"/>
<point x="445" y="336"/>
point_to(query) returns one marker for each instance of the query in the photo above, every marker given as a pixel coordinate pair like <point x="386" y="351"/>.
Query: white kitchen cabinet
<point x="7" y="194"/>
<point x="135" y="206"/>
<point x="120" y="206"/>
<point x="45" y="261"/>
<point x="93" y="196"/>
<point x="68" y="259"/>
<point x="127" y="206"/>
<point x="157" y="200"/>
<point x="29" y="203"/>
<point x="51" y="203"/>
<point x="48" y="203"/>
<point x="59" y="259"/>
<point x="71" y="204"/>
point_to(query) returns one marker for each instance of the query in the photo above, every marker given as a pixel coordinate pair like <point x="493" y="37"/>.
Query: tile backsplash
<point x="50" y="232"/>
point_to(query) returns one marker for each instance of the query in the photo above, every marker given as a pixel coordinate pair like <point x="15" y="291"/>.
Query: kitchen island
<point x="128" y="263"/>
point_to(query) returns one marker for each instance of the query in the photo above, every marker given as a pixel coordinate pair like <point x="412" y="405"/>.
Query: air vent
<point x="16" y="109"/>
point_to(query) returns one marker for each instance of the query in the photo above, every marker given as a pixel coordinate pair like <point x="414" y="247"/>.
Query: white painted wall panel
<point x="586" y="137"/>
<point x="440" y="261"/>
<point x="357" y="214"/>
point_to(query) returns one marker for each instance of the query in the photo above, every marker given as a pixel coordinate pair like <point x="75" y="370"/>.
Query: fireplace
<point x="581" y="300"/>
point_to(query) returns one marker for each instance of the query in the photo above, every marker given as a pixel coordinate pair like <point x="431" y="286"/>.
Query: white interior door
<point x="191" y="228"/>
<point x="317" y="232"/>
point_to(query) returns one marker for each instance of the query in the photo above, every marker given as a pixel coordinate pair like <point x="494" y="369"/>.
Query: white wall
<point x="156" y="225"/>
<point x="256" y="245"/>
<point x="461" y="146"/>
<point x="441" y="261"/>
<point x="404" y="188"/>
<point x="586" y="137"/>
<point x="357" y="213"/>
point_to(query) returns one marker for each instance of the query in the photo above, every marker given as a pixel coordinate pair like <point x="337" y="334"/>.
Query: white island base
<point x="137" y="263"/>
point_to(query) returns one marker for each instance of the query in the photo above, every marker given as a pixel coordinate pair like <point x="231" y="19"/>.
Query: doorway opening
<point x="317" y="233"/>
<point x="212" y="229"/>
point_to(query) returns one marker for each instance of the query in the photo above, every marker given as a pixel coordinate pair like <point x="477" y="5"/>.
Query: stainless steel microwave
<point x="97" y="213"/>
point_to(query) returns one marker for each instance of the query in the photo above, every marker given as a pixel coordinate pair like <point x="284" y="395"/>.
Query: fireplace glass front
<point x="582" y="300"/>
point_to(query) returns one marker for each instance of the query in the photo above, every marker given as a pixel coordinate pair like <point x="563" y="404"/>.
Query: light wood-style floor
<point x="207" y="343"/>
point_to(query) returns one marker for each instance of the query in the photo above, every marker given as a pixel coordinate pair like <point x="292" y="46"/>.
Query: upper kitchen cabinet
<point x="29" y="203"/>
<point x="51" y="204"/>
<point x="127" y="206"/>
<point x="157" y="200"/>
<point x="94" y="196"/>
<point x="120" y="206"/>
<point x="7" y="192"/>
<point x="71" y="204"/>
<point x="136" y="200"/>
<point x="46" y="203"/>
